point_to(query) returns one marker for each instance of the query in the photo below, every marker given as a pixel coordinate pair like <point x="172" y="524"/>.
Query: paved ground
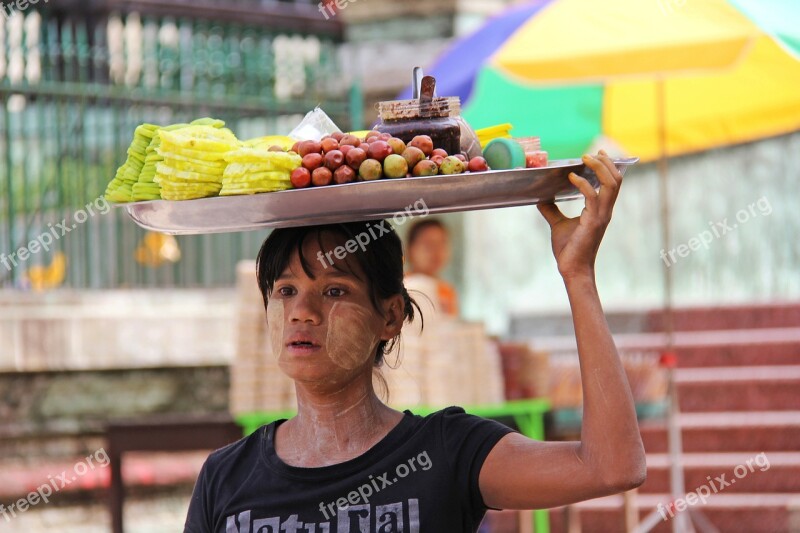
<point x="163" y="514"/>
<point x="162" y="485"/>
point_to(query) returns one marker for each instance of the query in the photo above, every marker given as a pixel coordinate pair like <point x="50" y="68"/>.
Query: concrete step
<point x="732" y="472"/>
<point x="747" y="347"/>
<point x="777" y="352"/>
<point x="750" y="388"/>
<point x="755" y="347"/>
<point x="765" y="431"/>
<point x="728" y="317"/>
<point x="747" y="512"/>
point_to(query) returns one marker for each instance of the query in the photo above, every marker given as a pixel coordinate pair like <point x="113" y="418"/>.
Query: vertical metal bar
<point x="26" y="206"/>
<point x="10" y="186"/>
<point x="86" y="172"/>
<point x="42" y="163"/>
<point x="356" y="107"/>
<point x="116" y="126"/>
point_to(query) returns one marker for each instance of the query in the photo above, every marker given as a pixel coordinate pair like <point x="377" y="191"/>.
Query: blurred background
<point x="114" y="331"/>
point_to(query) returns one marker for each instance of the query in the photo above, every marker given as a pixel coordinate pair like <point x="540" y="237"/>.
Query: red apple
<point x="309" y="147"/>
<point x="344" y="174"/>
<point x="328" y="145"/>
<point x="478" y="164"/>
<point x="424" y="143"/>
<point x="379" y="150"/>
<point x="312" y="161"/>
<point x="355" y="157"/>
<point x="321" y="176"/>
<point x="334" y="159"/>
<point x="301" y="178"/>
<point x="351" y="140"/>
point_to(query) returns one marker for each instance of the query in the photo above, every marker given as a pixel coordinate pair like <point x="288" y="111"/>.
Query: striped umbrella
<point x="653" y="77"/>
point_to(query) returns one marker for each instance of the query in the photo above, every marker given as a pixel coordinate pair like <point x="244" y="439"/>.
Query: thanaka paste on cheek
<point x="350" y="340"/>
<point x="275" y="324"/>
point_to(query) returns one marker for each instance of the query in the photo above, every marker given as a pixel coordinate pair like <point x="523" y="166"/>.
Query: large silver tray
<point x="370" y="200"/>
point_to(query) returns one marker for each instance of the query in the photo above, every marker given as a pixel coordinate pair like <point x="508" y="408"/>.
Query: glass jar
<point x="405" y="119"/>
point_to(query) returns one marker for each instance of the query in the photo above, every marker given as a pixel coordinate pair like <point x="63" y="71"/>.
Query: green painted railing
<point x="73" y="86"/>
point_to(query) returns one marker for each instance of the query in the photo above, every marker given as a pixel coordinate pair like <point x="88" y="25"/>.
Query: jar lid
<point x="443" y="107"/>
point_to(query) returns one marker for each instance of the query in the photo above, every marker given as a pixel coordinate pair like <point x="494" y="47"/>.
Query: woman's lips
<point x="300" y="348"/>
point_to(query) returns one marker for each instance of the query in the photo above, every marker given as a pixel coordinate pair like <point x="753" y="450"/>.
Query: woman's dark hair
<point x="420" y="226"/>
<point x="380" y="260"/>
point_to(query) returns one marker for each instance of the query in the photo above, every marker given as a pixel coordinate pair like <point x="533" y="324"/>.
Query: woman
<point x="348" y="462"/>
<point x="428" y="248"/>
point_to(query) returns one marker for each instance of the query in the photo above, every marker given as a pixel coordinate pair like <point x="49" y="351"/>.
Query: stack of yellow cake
<point x="194" y="161"/>
<point x="120" y="189"/>
<point x="252" y="170"/>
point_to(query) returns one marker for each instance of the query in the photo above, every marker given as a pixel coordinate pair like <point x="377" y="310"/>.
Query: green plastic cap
<point x="504" y="154"/>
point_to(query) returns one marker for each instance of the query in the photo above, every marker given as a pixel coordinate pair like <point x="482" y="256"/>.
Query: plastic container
<point x="529" y="144"/>
<point x="405" y="119"/>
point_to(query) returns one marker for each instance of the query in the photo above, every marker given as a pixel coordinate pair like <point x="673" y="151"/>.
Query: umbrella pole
<point x="681" y="521"/>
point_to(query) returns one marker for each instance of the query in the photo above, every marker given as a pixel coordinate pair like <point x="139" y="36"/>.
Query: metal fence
<point x="75" y="83"/>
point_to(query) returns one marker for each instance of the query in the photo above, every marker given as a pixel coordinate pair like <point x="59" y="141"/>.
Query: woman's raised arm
<point x="521" y="473"/>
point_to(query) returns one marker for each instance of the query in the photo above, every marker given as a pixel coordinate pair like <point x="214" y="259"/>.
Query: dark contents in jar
<point x="445" y="132"/>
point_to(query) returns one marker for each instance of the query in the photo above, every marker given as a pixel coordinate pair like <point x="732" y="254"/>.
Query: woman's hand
<point x="576" y="240"/>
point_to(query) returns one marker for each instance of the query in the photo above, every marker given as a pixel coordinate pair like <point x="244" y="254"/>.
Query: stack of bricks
<point x="448" y="362"/>
<point x="257" y="383"/>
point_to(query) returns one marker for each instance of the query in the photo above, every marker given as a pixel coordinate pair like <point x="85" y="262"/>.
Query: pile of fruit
<point x="179" y="169"/>
<point x="203" y="158"/>
<point x="343" y="158"/>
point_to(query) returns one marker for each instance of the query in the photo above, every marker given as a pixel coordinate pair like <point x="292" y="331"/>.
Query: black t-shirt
<point x="422" y="477"/>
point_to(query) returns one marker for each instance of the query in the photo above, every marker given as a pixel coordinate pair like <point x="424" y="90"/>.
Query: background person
<point x="428" y="253"/>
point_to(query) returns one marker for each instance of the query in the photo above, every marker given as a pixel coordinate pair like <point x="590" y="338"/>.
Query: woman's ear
<point x="394" y="316"/>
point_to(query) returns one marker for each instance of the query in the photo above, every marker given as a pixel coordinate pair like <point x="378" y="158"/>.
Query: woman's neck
<point x="331" y="428"/>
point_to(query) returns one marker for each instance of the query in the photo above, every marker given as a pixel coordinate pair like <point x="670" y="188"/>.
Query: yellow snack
<point x="179" y="162"/>
<point x="164" y="171"/>
<point x="269" y="141"/>
<point x="199" y="138"/>
<point x="169" y="195"/>
<point x="208" y="121"/>
<point x="189" y="187"/>
<point x="187" y="154"/>
<point x="284" y="160"/>
<point x="256" y="176"/>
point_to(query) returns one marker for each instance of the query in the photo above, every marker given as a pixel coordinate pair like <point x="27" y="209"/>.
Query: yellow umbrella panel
<point x="578" y="71"/>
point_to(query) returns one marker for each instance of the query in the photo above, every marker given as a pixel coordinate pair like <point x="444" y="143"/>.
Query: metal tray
<point x="368" y="200"/>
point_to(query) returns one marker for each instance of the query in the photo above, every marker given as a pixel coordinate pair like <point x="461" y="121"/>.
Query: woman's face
<point x="324" y="331"/>
<point x="430" y="252"/>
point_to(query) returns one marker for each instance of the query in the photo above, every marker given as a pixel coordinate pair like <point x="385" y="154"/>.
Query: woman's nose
<point x="306" y="308"/>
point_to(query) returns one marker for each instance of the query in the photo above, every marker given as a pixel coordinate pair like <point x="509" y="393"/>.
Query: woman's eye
<point x="336" y="292"/>
<point x="285" y="291"/>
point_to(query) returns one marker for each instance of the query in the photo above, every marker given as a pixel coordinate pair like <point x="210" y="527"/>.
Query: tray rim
<point x="132" y="208"/>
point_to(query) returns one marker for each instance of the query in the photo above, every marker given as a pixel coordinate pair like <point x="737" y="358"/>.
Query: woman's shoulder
<point x="455" y="419"/>
<point x="241" y="453"/>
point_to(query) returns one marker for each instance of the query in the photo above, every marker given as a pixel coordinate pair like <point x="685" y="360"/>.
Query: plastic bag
<point x="314" y="126"/>
<point x="470" y="144"/>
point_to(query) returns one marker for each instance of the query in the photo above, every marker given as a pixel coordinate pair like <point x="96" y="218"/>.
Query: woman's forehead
<point x="325" y="254"/>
